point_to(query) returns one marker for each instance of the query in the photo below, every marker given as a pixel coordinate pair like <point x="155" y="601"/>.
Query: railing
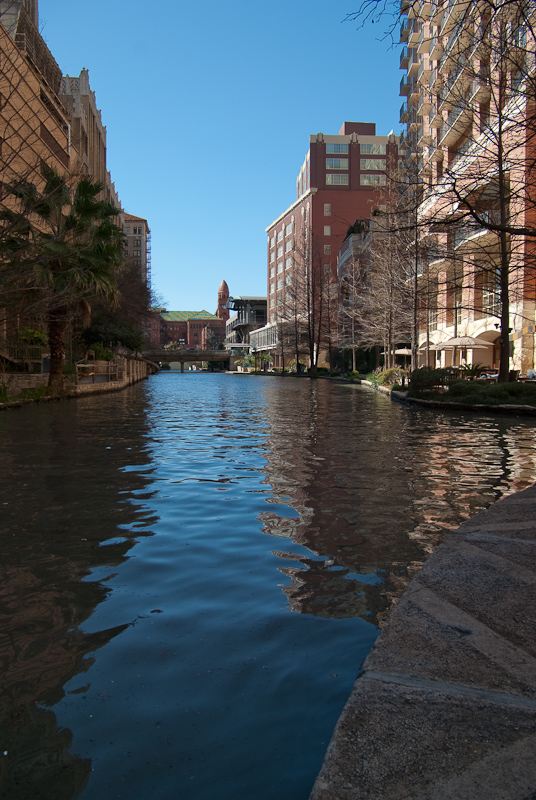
<point x="470" y="229"/>
<point x="451" y="120"/>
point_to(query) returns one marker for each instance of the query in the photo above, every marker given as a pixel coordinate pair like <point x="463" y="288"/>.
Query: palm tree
<point x="64" y="247"/>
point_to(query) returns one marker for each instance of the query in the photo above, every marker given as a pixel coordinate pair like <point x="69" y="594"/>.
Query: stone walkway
<point x="446" y="706"/>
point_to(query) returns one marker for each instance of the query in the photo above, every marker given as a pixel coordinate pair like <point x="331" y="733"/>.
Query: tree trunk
<point x="57" y="325"/>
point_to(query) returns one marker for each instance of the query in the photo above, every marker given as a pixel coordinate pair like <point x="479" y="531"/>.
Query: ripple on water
<point x="194" y="569"/>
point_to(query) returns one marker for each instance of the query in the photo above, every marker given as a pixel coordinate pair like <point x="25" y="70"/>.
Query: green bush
<point x="427" y="379"/>
<point x="102" y="353"/>
<point x="353" y="374"/>
<point x="475" y="392"/>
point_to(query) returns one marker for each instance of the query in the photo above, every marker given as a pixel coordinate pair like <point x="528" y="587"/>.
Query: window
<point x="335" y="147"/>
<point x="327" y="230"/>
<point x="288" y="229"/>
<point x="327" y="249"/>
<point x="288" y="279"/>
<point x="288" y="246"/>
<point x="136" y="252"/>
<point x="372" y="180"/>
<point x="336" y="180"/>
<point x="327" y="269"/>
<point x="272" y="272"/>
<point x="327" y="209"/>
<point x="373" y="149"/>
<point x="272" y="257"/>
<point x="372" y="163"/>
<point x="288" y="263"/>
<point x="280" y="283"/>
<point x="336" y="163"/>
<point x="280" y="251"/>
<point x="280" y="266"/>
<point x="137" y="242"/>
<point x="272" y="288"/>
<point x="272" y="241"/>
<point x="127" y="229"/>
<point x="279" y="236"/>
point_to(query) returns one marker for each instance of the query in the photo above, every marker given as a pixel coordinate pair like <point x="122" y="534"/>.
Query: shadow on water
<point x="60" y="503"/>
<point x="153" y="545"/>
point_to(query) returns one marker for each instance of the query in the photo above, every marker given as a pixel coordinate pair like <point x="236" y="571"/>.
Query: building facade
<point x="138" y="244"/>
<point x="342" y="179"/>
<point x="88" y="134"/>
<point x="469" y="85"/>
<point x="250" y="315"/>
<point x="193" y="329"/>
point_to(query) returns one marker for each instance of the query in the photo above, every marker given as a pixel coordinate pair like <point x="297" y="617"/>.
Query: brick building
<point x="138" y="244"/>
<point x="342" y="179"/>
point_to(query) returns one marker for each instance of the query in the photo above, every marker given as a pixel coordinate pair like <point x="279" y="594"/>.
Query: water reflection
<point x="54" y="521"/>
<point x="139" y="590"/>
<point x="377" y="486"/>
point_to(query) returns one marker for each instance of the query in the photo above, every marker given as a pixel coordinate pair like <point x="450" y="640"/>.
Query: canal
<point x="193" y="570"/>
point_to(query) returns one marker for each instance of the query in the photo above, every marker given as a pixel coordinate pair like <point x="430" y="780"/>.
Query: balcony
<point x="414" y="31"/>
<point x="414" y="93"/>
<point x="454" y="12"/>
<point x="423" y="74"/>
<point x="450" y="84"/>
<point x="436" y="120"/>
<point x="424" y="8"/>
<point x="436" y="47"/>
<point x="404" y="87"/>
<point x="403" y="112"/>
<point x="425" y="104"/>
<point x="480" y="89"/>
<point x="434" y="80"/>
<point x="413" y="64"/>
<point x="423" y="45"/>
<point x="454" y="125"/>
<point x="470" y="231"/>
<point x="404" y="31"/>
<point x="404" y="58"/>
<point x="461" y="154"/>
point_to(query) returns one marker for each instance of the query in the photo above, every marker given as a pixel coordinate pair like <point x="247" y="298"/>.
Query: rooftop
<point x="184" y="316"/>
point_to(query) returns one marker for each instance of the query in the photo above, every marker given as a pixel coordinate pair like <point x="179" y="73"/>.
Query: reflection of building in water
<point x="377" y="486"/>
<point x="53" y="527"/>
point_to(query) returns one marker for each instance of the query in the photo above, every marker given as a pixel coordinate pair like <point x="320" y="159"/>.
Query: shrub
<point x="353" y="374"/>
<point x="427" y="379"/>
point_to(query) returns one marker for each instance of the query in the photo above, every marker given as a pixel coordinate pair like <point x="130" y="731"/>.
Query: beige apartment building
<point x="34" y="124"/>
<point x="88" y="134"/>
<point x="469" y="76"/>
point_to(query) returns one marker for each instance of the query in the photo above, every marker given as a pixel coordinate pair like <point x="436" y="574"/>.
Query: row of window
<point x="335" y="148"/>
<point x="287" y="282"/>
<point x="366" y="163"/>
<point x="340" y="179"/>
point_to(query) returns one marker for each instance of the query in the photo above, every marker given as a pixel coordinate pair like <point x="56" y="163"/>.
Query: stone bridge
<point x="187" y="355"/>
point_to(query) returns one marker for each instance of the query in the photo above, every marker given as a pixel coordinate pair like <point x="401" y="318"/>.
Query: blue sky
<point x="209" y="108"/>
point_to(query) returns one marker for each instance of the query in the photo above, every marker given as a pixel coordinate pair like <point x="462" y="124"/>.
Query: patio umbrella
<point x="467" y="342"/>
<point x="403" y="351"/>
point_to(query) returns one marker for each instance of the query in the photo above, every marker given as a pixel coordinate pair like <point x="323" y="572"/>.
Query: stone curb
<point x="445" y="708"/>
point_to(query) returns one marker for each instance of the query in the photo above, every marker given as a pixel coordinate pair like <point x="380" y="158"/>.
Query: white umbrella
<point x="467" y="342"/>
<point x="404" y="351"/>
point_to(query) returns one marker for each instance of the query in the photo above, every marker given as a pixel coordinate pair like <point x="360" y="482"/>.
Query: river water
<point x="193" y="570"/>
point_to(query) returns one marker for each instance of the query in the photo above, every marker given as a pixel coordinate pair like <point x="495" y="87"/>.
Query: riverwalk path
<point x="445" y="708"/>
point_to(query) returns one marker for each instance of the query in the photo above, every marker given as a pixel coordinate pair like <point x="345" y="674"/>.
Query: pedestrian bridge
<point x="187" y="355"/>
